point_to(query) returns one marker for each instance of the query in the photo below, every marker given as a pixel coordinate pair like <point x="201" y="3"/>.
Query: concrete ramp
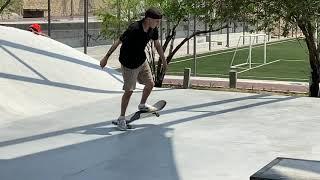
<point x="57" y="106"/>
<point x="40" y="75"/>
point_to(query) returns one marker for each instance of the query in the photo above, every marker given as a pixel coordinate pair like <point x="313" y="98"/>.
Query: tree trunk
<point x="160" y="73"/>
<point x="308" y="31"/>
<point x="314" y="75"/>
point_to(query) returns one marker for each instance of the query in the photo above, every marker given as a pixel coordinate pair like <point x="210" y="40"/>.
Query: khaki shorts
<point x="142" y="74"/>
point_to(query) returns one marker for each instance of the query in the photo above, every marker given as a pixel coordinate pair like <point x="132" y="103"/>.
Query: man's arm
<point x="104" y="60"/>
<point x="161" y="53"/>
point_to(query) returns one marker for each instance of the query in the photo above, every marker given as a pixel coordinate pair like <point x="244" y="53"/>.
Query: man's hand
<point x="161" y="54"/>
<point x="104" y="61"/>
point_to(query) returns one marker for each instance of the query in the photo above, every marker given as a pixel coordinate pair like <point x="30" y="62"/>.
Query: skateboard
<point x="142" y="114"/>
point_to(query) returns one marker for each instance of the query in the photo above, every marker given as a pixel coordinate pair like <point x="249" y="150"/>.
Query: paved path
<point x="243" y="84"/>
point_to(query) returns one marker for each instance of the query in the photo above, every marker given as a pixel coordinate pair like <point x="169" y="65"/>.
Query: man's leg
<point x="129" y="84"/>
<point x="121" y="122"/>
<point x="146" y="92"/>
<point x="145" y="77"/>
<point x="125" y="101"/>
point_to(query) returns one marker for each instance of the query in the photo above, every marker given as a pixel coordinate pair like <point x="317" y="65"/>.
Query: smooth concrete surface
<point x="39" y="75"/>
<point x="57" y="106"/>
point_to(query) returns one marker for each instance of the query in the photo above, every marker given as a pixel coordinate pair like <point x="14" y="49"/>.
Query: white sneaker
<point x="122" y="124"/>
<point x="146" y="107"/>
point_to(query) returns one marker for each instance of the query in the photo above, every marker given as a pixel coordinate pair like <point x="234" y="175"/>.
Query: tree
<point x="176" y="12"/>
<point x="4" y="4"/>
<point x="117" y="15"/>
<point x="9" y="6"/>
<point x="302" y="13"/>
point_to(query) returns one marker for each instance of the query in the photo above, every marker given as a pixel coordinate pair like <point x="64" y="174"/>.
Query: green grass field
<point x="288" y="61"/>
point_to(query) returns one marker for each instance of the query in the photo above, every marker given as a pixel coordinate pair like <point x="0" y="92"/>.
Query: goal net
<point x="251" y="52"/>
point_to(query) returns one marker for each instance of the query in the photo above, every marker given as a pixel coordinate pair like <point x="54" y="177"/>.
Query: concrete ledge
<point x="287" y="168"/>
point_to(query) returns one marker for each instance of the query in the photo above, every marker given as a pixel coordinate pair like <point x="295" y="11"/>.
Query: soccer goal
<point x="243" y="58"/>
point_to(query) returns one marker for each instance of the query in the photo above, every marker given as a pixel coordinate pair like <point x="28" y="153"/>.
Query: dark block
<point x="287" y="168"/>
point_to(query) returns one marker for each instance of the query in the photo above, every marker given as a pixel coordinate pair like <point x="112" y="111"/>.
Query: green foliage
<point x="14" y="6"/>
<point x="175" y="12"/>
<point x="113" y="23"/>
<point x="302" y="13"/>
<point x="269" y="12"/>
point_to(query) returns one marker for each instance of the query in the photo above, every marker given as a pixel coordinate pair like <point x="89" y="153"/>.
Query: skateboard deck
<point x="142" y="114"/>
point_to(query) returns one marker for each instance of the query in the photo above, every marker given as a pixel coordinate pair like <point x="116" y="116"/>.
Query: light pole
<point x="49" y="17"/>
<point x="85" y="33"/>
<point x="194" y="47"/>
<point x="118" y="17"/>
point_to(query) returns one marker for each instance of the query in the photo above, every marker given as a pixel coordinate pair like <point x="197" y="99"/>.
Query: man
<point x="36" y="28"/>
<point x="133" y="60"/>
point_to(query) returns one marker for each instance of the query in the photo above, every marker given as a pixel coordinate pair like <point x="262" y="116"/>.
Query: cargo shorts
<point x="142" y="74"/>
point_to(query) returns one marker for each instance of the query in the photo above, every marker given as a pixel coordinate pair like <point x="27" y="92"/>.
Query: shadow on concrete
<point x="58" y="57"/>
<point x="186" y="108"/>
<point x="144" y="153"/>
<point x="55" y="84"/>
<point x="213" y="113"/>
<point x="44" y="80"/>
<point x="24" y="63"/>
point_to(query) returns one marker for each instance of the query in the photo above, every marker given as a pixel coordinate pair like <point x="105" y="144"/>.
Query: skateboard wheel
<point x="157" y="114"/>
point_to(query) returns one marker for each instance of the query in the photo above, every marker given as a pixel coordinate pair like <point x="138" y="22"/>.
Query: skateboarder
<point x="36" y="28"/>
<point x="133" y="60"/>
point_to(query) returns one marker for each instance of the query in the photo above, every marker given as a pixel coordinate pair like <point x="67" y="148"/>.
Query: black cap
<point x="153" y="13"/>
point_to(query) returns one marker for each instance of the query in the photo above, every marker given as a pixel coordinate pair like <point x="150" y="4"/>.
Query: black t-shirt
<point x="134" y="40"/>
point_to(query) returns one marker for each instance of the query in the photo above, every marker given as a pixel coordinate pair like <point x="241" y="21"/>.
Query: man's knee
<point x="150" y="84"/>
<point x="127" y="93"/>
